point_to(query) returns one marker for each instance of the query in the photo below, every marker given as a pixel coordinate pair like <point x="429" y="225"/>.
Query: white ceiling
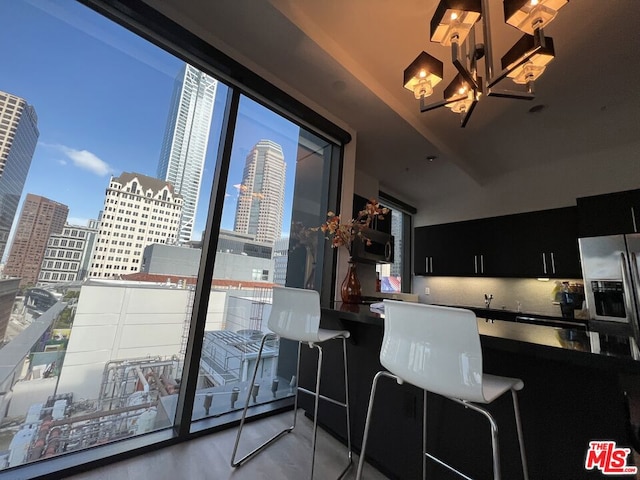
<point x="345" y="58"/>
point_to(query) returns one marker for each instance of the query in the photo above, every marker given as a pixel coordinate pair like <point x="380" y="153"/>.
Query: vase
<point x="350" y="290"/>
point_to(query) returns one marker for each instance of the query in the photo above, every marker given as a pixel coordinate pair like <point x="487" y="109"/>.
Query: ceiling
<point x="345" y="59"/>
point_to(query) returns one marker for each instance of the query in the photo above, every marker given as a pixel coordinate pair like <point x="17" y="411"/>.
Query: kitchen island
<point x="576" y="384"/>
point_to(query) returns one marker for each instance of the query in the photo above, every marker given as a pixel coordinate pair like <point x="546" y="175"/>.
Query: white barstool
<point x="438" y="349"/>
<point x="295" y="315"/>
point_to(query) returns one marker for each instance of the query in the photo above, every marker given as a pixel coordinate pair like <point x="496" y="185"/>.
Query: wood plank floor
<point x="208" y="457"/>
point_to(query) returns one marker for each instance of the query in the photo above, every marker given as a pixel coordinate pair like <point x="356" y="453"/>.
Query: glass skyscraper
<point x="185" y="141"/>
<point x="260" y="209"/>
<point x="18" y="138"/>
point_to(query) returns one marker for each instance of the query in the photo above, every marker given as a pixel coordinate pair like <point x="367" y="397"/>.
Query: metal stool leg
<point x="298" y="389"/>
<point x="424" y="434"/>
<point x="241" y="461"/>
<point x="367" y="422"/>
<point x="347" y="407"/>
<point x="523" y="457"/>
<point x="315" y="409"/>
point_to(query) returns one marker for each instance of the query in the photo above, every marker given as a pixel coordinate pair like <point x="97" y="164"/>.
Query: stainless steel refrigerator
<point x="610" y="268"/>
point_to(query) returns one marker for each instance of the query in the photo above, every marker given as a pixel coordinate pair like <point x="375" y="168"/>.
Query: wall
<point x="539" y="187"/>
<point x="115" y="322"/>
<point x="535" y="296"/>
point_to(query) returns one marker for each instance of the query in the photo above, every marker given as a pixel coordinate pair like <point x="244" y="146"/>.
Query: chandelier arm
<point x="486" y="33"/>
<point x="466" y="74"/>
<point x="443" y="103"/>
<point x="467" y="115"/>
<point x="512" y="94"/>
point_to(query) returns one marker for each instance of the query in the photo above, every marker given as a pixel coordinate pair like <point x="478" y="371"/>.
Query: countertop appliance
<point x="610" y="268"/>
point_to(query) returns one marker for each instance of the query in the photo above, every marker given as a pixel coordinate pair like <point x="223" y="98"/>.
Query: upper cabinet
<point x="609" y="214"/>
<point x="536" y="244"/>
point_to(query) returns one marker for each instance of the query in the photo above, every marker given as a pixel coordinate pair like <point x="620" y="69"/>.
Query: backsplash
<point x="535" y="296"/>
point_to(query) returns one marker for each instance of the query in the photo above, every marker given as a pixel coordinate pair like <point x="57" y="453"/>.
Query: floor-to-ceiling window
<point x="134" y="178"/>
<point x="276" y="192"/>
<point x="396" y="277"/>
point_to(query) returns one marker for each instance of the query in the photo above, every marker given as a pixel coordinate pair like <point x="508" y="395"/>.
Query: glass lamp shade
<point x="528" y="15"/>
<point x="454" y="19"/>
<point x="424" y="73"/>
<point x="457" y="89"/>
<point x="535" y="66"/>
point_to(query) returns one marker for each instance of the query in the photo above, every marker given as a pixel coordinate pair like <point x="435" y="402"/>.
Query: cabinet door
<point x="550" y="248"/>
<point x="503" y="243"/>
<point x="563" y="251"/>
<point x="610" y="214"/>
<point x="432" y="249"/>
<point x="420" y="247"/>
<point x="438" y="251"/>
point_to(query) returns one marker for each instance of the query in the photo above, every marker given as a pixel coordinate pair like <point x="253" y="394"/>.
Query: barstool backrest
<point x="295" y="314"/>
<point x="434" y="348"/>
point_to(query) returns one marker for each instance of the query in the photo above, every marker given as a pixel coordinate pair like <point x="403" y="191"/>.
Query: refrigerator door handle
<point x="628" y="294"/>
<point x="635" y="277"/>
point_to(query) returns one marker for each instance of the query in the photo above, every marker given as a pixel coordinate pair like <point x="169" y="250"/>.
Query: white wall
<point x="540" y="187"/>
<point x="124" y="322"/>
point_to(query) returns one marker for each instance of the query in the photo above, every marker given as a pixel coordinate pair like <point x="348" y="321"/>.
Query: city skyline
<point x="39" y="218"/>
<point x="260" y="205"/>
<point x="184" y="146"/>
<point x="91" y="129"/>
<point x="18" y="138"/>
<point x="138" y="211"/>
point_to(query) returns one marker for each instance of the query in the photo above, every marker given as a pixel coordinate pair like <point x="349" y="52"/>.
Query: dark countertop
<point x="557" y="338"/>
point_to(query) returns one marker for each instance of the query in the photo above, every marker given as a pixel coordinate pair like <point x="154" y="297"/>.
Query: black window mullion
<point x="205" y="276"/>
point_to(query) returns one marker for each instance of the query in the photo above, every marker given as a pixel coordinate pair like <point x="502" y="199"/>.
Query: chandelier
<point x="453" y="24"/>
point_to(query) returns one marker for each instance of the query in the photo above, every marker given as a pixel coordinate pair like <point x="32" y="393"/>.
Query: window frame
<point x="149" y="24"/>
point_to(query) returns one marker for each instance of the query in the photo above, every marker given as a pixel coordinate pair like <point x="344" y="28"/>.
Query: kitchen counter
<point x="574" y="382"/>
<point x="541" y="335"/>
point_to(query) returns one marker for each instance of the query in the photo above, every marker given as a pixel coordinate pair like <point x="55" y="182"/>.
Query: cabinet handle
<point x="544" y="263"/>
<point x="426" y="264"/>
<point x="553" y="263"/>
<point x="481" y="263"/>
<point x="475" y="263"/>
<point x="431" y="264"/>
<point x="633" y="219"/>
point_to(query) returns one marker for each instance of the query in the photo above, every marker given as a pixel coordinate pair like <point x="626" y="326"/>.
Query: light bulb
<point x="422" y="74"/>
<point x="454" y="16"/>
<point x="422" y="89"/>
<point x="534" y="3"/>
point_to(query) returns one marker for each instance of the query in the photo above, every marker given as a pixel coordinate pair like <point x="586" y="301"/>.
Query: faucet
<point x="487" y="300"/>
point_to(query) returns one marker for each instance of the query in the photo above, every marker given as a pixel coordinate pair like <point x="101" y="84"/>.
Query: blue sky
<point x="102" y="97"/>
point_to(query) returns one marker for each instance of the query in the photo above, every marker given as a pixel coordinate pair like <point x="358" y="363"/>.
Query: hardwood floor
<point x="208" y="457"/>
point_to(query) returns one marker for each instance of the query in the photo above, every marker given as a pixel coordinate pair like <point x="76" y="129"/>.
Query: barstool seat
<point x="295" y="315"/>
<point x="438" y="350"/>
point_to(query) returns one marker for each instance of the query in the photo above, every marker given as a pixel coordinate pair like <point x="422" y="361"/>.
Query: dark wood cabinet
<point x="535" y="244"/>
<point x="609" y="214"/>
<point x="550" y="247"/>
<point x="436" y="248"/>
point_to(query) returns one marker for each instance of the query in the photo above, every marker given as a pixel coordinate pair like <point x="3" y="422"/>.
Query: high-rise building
<point x="18" y="138"/>
<point x="138" y="211"/>
<point x="68" y="254"/>
<point x="39" y="219"/>
<point x="185" y="141"/>
<point x="260" y="207"/>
